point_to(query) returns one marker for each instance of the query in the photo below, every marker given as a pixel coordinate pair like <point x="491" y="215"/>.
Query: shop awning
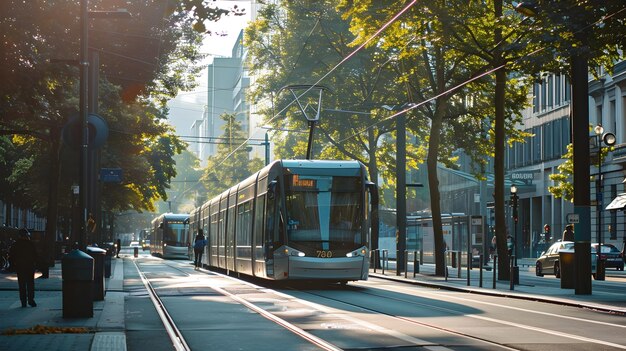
<point x="618" y="203"/>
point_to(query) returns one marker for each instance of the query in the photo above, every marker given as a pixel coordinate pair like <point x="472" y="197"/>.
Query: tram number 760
<point x="324" y="254"/>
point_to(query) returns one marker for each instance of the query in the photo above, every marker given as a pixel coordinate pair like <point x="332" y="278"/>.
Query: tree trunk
<point x="53" y="200"/>
<point x="498" y="162"/>
<point x="433" y="187"/>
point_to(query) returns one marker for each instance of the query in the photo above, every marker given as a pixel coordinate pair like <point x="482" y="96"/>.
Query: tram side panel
<point x="243" y="229"/>
<point x="259" y="229"/>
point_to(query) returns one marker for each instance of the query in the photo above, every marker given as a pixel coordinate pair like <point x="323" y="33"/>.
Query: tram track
<point x="178" y="341"/>
<point x="407" y="302"/>
<point x="177" y="337"/>
<point x="350" y="303"/>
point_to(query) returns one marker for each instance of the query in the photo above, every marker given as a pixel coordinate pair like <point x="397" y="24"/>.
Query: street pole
<point x="83" y="110"/>
<point x="401" y="191"/>
<point x="582" y="202"/>
<point x="267" y="148"/>
<point x="599" y="269"/>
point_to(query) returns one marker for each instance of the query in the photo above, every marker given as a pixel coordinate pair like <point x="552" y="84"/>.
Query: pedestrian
<point x="24" y="257"/>
<point x="568" y="233"/>
<point x="118" y="244"/>
<point x="198" y="248"/>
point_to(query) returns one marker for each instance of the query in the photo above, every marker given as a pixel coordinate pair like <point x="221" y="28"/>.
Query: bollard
<point x="376" y="259"/>
<point x="480" y="270"/>
<point x="98" y="255"/>
<point x="416" y="264"/>
<point x="511" y="272"/>
<point x="384" y="261"/>
<point x="406" y="263"/>
<point x="495" y="269"/>
<point x="458" y="266"/>
<point x="107" y="263"/>
<point x="469" y="267"/>
<point x="77" y="275"/>
<point x="136" y="252"/>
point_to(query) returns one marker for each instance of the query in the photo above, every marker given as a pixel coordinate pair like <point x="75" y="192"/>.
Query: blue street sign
<point x="111" y="175"/>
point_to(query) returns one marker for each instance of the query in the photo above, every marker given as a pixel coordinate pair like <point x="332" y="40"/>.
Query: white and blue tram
<point x="294" y="219"/>
<point x="171" y="236"/>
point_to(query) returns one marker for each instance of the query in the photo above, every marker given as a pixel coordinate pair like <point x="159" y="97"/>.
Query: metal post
<point x="406" y="263"/>
<point x="83" y="110"/>
<point x="580" y="141"/>
<point x="600" y="275"/>
<point x="458" y="265"/>
<point x="267" y="151"/>
<point x="416" y="264"/>
<point x="495" y="269"/>
<point x="310" y="144"/>
<point x="480" y="269"/>
<point x="469" y="266"/>
<point x="401" y="184"/>
<point x="511" y="279"/>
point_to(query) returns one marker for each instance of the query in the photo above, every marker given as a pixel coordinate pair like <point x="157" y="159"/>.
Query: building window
<point x="557" y="90"/>
<point x="550" y="97"/>
<point x="568" y="90"/>
<point x="536" y="98"/>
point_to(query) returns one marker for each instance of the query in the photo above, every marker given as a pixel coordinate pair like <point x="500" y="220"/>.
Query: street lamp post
<point x="514" y="268"/>
<point x="609" y="140"/>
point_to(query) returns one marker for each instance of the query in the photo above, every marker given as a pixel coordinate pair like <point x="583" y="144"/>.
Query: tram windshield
<point x="325" y="212"/>
<point x="174" y="233"/>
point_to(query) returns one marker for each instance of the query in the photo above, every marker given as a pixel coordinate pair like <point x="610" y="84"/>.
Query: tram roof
<point x="321" y="163"/>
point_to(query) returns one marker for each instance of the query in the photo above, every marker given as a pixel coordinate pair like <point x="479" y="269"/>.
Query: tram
<point x="170" y="236"/>
<point x="293" y="219"/>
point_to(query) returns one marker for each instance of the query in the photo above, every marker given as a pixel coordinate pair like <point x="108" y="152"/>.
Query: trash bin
<point x="98" y="255"/>
<point x="77" y="275"/>
<point x="567" y="268"/>
<point x="107" y="263"/>
<point x="136" y="251"/>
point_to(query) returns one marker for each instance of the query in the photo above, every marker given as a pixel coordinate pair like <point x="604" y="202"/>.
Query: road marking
<point x="517" y="325"/>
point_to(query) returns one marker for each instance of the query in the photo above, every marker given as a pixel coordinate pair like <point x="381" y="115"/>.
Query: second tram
<point x="170" y="236"/>
<point x="294" y="219"/>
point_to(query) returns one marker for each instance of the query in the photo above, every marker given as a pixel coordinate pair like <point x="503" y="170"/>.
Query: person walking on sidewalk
<point x="118" y="247"/>
<point x="198" y="248"/>
<point x="25" y="258"/>
<point x="568" y="233"/>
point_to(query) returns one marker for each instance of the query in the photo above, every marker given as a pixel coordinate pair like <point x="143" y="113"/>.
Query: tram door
<point x="270" y="241"/>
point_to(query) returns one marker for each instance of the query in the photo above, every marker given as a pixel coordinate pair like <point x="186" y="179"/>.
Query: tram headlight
<point x="293" y="252"/>
<point x="356" y="253"/>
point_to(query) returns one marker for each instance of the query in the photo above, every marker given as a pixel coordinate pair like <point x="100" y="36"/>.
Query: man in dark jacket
<point x="24" y="257"/>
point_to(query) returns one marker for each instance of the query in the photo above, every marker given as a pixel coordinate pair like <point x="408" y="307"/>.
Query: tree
<point x="451" y="77"/>
<point x="41" y="92"/>
<point x="230" y="165"/>
<point x="187" y="190"/>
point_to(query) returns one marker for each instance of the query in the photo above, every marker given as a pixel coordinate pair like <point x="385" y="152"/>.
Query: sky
<point x="188" y="106"/>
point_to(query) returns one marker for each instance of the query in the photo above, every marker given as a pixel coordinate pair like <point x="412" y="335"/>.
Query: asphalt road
<point x="218" y="312"/>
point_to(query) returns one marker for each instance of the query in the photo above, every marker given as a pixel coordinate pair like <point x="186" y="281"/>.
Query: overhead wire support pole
<point x="83" y="110"/>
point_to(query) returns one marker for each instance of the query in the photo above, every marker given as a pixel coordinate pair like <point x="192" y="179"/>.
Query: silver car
<point x="548" y="262"/>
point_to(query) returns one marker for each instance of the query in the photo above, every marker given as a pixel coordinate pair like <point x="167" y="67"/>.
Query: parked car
<point x="611" y="256"/>
<point x="548" y="262"/>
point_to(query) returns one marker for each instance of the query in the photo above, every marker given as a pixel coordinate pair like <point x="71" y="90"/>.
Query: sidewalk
<point x="104" y="331"/>
<point x="543" y="289"/>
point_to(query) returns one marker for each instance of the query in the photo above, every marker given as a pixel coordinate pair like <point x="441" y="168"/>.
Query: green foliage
<point x="144" y="62"/>
<point x="230" y="165"/>
<point x="564" y="180"/>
